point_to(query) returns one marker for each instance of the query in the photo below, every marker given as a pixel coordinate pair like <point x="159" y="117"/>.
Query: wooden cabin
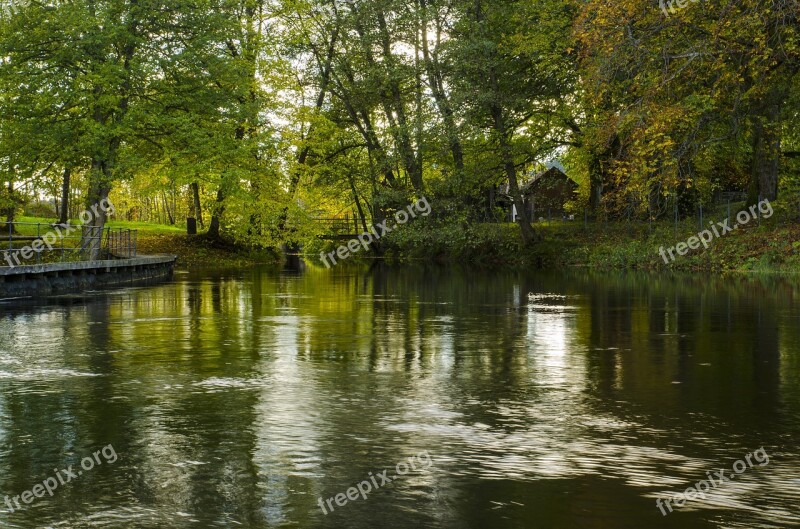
<point x="545" y="195"/>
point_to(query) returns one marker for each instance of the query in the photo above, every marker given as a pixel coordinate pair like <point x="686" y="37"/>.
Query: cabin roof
<point x="553" y="173"/>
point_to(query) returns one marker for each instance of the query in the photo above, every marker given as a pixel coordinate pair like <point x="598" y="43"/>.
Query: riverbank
<point x="192" y="251"/>
<point x="198" y="251"/>
<point x="762" y="245"/>
<point x="769" y="245"/>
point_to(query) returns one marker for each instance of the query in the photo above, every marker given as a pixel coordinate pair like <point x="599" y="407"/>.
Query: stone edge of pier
<point x="57" y="278"/>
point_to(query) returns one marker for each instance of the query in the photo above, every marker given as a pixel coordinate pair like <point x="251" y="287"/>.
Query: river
<point x="275" y="398"/>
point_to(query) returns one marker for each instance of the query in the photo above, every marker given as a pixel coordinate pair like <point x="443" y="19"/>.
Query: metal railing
<point x="121" y="242"/>
<point x="24" y="243"/>
<point x="340" y="225"/>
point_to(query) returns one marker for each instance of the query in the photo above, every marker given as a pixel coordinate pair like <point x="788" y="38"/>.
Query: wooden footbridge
<point x="341" y="228"/>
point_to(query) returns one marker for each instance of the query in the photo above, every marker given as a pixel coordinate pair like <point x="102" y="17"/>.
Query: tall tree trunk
<point x="170" y="217"/>
<point x="401" y="128"/>
<point x="325" y="77"/>
<point x="65" y="184"/>
<point x="528" y="235"/>
<point x="766" y="154"/>
<point x="99" y="187"/>
<point x="302" y="157"/>
<point x="247" y="54"/>
<point x="504" y="136"/>
<point x="10" y="211"/>
<point x="418" y="99"/>
<point x="436" y="82"/>
<point x="361" y="215"/>
<point x="597" y="172"/>
<point x="361" y="120"/>
<point x="595" y="183"/>
<point x="198" y="211"/>
<point x="391" y="100"/>
<point x="174" y="196"/>
<point x="507" y="157"/>
<point x="218" y="209"/>
<point x="100" y="176"/>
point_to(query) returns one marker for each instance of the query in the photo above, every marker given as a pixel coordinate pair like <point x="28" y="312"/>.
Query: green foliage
<point x="449" y="235"/>
<point x="279" y="113"/>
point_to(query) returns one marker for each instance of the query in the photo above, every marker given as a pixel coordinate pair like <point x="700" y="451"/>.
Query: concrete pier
<point x="56" y="278"/>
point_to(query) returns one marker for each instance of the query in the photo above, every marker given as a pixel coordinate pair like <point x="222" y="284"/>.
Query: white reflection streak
<point x="287" y="423"/>
<point x="548" y="341"/>
<point x="444" y="344"/>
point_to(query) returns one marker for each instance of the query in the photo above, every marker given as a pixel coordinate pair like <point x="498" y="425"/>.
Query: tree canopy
<point x="263" y="115"/>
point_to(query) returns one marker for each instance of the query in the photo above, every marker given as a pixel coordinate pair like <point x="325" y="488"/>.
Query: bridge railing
<point x="345" y="225"/>
<point x="24" y="243"/>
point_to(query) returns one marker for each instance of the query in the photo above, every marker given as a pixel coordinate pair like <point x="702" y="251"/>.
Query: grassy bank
<point x="193" y="251"/>
<point x="198" y="251"/>
<point x="763" y="245"/>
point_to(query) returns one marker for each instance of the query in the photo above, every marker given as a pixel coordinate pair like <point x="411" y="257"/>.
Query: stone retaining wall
<point x="56" y="278"/>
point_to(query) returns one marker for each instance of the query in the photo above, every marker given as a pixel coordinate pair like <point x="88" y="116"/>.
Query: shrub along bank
<point x="765" y="245"/>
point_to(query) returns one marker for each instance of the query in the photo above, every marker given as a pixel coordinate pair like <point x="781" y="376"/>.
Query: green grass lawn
<point x="193" y="251"/>
<point x="146" y="227"/>
<point x="143" y="227"/>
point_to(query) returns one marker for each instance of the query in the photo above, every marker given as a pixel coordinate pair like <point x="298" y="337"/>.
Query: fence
<point x="345" y="225"/>
<point x="673" y="212"/>
<point x="36" y="242"/>
<point x="121" y="242"/>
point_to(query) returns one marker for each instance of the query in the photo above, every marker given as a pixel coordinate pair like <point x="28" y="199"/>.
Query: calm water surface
<point x="558" y="400"/>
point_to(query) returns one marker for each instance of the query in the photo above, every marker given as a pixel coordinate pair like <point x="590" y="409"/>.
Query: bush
<point x="40" y="209"/>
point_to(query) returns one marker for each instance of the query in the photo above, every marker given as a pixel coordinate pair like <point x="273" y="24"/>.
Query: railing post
<point x="701" y="217"/>
<point x="729" y="209"/>
<point x="38" y="236"/>
<point x="675" y="200"/>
